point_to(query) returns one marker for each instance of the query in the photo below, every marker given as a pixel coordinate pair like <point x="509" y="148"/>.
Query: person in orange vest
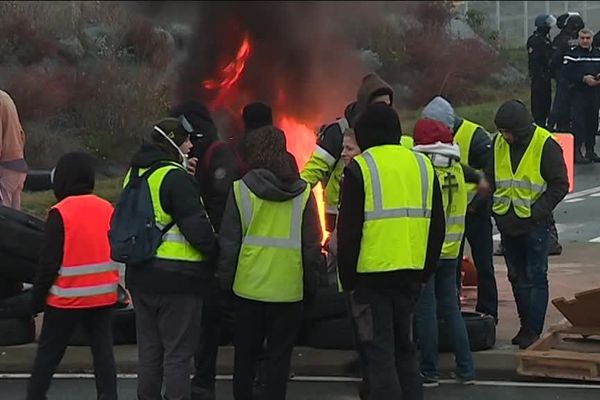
<point x="77" y="281"/>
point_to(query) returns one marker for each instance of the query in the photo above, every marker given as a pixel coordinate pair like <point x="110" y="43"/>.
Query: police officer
<point x="77" y="281"/>
<point x="390" y="233"/>
<point x="168" y="289"/>
<point x="272" y="234"/>
<point x="560" y="115"/>
<point x="539" y="50"/>
<point x="597" y="39"/>
<point x="325" y="164"/>
<point x="582" y="70"/>
<point x="528" y="177"/>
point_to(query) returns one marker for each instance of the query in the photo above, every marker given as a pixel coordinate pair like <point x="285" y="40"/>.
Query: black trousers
<point x="56" y="332"/>
<point x="392" y="357"/>
<point x="168" y="327"/>
<point x="255" y="322"/>
<point x="584" y="113"/>
<point x="541" y="100"/>
<point x="560" y="116"/>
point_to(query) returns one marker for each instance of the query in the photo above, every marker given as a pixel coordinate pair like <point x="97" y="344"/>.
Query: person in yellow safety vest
<point x="272" y="235"/>
<point x="325" y="165"/>
<point x="390" y="234"/>
<point x="168" y="289"/>
<point x="528" y="178"/>
<point x="439" y="299"/>
<point x="475" y="151"/>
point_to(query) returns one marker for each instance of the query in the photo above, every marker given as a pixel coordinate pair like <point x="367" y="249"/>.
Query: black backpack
<point x="134" y="235"/>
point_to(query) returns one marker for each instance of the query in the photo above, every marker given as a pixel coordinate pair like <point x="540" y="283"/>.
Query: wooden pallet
<point x="567" y="353"/>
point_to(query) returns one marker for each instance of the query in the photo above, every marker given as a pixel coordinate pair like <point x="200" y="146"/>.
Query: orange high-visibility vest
<point x="88" y="277"/>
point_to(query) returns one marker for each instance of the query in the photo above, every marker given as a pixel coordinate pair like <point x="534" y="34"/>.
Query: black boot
<point x="592" y="156"/>
<point x="529" y="337"/>
<point x="517" y="339"/>
<point x="579" y="158"/>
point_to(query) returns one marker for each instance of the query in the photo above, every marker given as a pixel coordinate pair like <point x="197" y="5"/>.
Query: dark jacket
<point x="539" y="50"/>
<point x="596" y="42"/>
<point x="554" y="172"/>
<point x="75" y="177"/>
<point x="579" y="62"/>
<point x="266" y="185"/>
<point x="180" y="198"/>
<point x="218" y="167"/>
<point x="561" y="45"/>
<point x="331" y="137"/>
<point x="350" y="230"/>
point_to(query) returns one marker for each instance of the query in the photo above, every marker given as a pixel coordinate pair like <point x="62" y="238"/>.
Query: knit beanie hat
<point x="514" y="117"/>
<point x="429" y="131"/>
<point x="257" y="115"/>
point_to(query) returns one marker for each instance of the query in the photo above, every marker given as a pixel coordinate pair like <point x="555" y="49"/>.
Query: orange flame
<point x="233" y="71"/>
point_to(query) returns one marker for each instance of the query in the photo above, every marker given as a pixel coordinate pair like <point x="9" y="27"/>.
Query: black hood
<point x="74" y="175"/>
<point x="378" y="125"/>
<point x="204" y="131"/>
<point x="267" y="186"/>
<point x="350" y="113"/>
<point x="150" y="153"/>
<point x="514" y="117"/>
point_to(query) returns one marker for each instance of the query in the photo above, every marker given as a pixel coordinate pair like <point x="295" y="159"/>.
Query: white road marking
<point x="338" y="379"/>
<point x="595" y="195"/>
<point x="583" y="193"/>
<point x="576" y="200"/>
<point x="595" y="240"/>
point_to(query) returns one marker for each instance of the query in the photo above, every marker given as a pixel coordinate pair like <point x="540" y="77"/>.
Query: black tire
<point x="481" y="329"/>
<point x="328" y="303"/>
<point x="22" y="235"/>
<point x="16" y="306"/>
<point x="332" y="334"/>
<point x="15" y="331"/>
<point x="38" y="180"/>
<point x="123" y="326"/>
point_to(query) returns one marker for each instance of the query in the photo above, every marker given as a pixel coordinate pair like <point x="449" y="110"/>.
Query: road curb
<point x="497" y="363"/>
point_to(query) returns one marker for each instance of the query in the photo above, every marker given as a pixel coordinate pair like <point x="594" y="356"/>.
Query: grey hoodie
<point x="440" y="109"/>
<point x="266" y="185"/>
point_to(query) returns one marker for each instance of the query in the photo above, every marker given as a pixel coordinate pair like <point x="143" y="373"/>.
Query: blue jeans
<point x="386" y="336"/>
<point x="440" y="300"/>
<point x="527" y="262"/>
<point x="478" y="231"/>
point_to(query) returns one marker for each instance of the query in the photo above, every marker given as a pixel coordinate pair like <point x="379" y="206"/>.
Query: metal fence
<point x="513" y="21"/>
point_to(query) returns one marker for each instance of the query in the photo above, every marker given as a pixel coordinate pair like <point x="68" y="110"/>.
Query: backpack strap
<point x="153" y="168"/>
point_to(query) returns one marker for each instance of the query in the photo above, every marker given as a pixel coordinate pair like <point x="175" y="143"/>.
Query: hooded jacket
<point x="12" y="137"/>
<point x="264" y="184"/>
<point x="74" y="176"/>
<point x="441" y="110"/>
<point x="180" y="198"/>
<point x="351" y="221"/>
<point x="512" y="117"/>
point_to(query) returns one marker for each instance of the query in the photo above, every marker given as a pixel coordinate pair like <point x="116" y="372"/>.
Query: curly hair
<point x="265" y="148"/>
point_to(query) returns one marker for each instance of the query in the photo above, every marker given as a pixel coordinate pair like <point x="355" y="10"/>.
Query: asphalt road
<point x="83" y="389"/>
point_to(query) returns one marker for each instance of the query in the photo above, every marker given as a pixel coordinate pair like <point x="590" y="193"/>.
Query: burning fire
<point x="299" y="136"/>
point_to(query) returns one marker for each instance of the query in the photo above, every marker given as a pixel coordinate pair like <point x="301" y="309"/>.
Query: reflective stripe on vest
<point x="523" y="187"/>
<point x="398" y="194"/>
<point x="270" y="261"/>
<point x="87" y="278"/>
<point x="454" y="196"/>
<point x="379" y="212"/>
<point x="174" y="246"/>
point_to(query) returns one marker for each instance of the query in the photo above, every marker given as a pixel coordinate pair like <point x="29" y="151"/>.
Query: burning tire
<point x="15" y="331"/>
<point x="481" y="329"/>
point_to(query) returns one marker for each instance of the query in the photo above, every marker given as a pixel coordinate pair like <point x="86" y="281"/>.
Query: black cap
<point x="514" y="117"/>
<point x="195" y="119"/>
<point x="172" y="128"/>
